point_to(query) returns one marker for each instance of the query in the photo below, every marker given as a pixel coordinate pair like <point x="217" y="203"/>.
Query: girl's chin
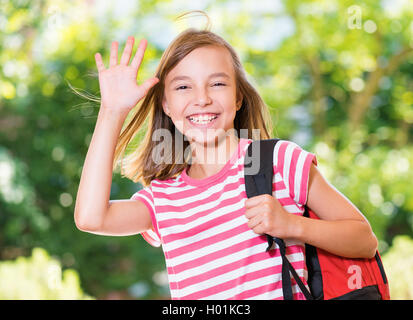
<point x="202" y="137"/>
<point x="206" y="137"/>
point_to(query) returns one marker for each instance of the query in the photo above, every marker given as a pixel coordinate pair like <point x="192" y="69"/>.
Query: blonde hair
<point x="139" y="164"/>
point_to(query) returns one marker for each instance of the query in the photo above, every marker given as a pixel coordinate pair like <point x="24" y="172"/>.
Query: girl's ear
<point x="165" y="106"/>
<point x="239" y="103"/>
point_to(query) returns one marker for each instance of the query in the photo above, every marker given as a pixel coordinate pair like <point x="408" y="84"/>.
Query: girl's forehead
<point x="208" y="60"/>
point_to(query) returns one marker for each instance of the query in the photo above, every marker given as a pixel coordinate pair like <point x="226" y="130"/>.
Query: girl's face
<point x="200" y="94"/>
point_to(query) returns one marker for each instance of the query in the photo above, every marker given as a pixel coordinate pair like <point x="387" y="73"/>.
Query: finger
<point x="252" y="212"/>
<point x="114" y="54"/>
<point x="254" y="221"/>
<point x="259" y="229"/>
<point x="124" y="60"/>
<point x="137" y="59"/>
<point x="99" y="62"/>
<point x="253" y="201"/>
<point x="149" y="83"/>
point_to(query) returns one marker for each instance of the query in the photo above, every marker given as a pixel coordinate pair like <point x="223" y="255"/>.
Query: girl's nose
<point x="203" y="97"/>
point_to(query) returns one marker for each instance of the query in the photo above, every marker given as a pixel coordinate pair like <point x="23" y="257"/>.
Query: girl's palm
<point x="118" y="87"/>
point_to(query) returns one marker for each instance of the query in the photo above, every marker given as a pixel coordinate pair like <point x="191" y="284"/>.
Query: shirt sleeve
<point x="293" y="164"/>
<point x="146" y="196"/>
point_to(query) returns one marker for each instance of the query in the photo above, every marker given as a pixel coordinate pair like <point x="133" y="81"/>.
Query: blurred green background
<point x="337" y="76"/>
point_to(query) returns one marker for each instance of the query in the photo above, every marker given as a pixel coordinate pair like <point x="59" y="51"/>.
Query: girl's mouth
<point x="203" y="121"/>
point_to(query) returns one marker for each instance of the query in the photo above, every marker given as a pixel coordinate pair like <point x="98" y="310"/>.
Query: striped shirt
<point x="210" y="252"/>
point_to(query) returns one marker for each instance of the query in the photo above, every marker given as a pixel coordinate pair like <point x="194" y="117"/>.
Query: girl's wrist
<point x="296" y="227"/>
<point x="112" y="113"/>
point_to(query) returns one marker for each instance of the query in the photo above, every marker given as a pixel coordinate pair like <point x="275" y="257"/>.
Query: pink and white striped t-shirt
<point x="210" y="252"/>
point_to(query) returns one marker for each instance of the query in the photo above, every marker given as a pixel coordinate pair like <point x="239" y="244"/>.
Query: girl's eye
<point x="183" y="87"/>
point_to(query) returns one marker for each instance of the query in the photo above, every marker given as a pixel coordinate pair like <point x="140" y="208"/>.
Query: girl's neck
<point x="209" y="160"/>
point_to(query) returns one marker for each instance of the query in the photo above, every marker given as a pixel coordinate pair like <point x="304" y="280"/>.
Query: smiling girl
<point x="213" y="238"/>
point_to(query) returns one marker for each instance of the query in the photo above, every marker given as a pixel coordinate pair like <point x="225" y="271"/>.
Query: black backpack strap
<point x="286" y="279"/>
<point x="258" y="173"/>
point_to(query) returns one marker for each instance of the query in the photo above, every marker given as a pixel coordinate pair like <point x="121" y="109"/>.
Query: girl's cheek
<point x="180" y="124"/>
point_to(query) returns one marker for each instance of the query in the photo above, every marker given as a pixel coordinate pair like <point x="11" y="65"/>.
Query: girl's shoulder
<point x="171" y="182"/>
<point x="293" y="164"/>
<point x="286" y="151"/>
<point x="286" y="147"/>
<point x="288" y="143"/>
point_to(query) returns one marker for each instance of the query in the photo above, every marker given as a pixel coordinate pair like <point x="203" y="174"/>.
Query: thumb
<point x="149" y="83"/>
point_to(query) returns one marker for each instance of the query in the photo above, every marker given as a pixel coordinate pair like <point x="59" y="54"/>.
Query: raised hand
<point x="118" y="84"/>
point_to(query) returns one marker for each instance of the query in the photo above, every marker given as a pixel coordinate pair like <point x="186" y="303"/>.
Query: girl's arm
<point x="119" y="94"/>
<point x="96" y="179"/>
<point x="342" y="228"/>
<point x="94" y="212"/>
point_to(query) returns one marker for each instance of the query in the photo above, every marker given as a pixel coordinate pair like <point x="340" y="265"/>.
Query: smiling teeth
<point x="202" y="119"/>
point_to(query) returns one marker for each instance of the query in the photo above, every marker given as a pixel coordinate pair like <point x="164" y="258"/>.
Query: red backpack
<point x="329" y="276"/>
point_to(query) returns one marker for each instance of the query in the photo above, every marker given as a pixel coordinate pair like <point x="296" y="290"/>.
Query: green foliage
<point x="17" y="198"/>
<point x="39" y="277"/>
<point x="398" y="263"/>
<point x="376" y="182"/>
<point x="337" y="83"/>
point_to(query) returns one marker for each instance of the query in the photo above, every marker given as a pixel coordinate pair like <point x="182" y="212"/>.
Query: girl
<point x="193" y="202"/>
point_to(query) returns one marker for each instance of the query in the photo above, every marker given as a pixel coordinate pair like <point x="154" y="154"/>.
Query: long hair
<point x="139" y="164"/>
